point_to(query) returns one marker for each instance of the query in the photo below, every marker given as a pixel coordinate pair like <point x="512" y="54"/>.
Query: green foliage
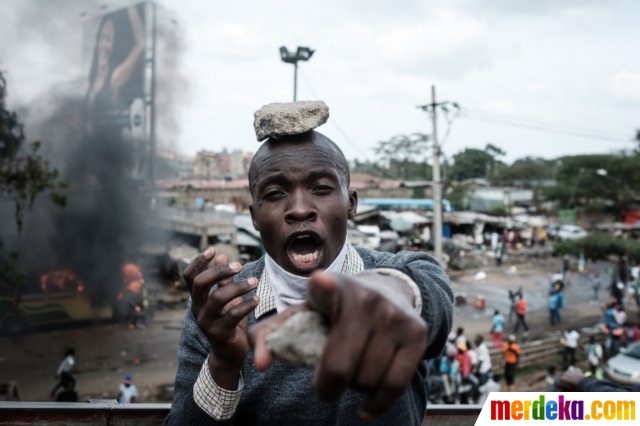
<point x="579" y="184"/>
<point x="404" y="157"/>
<point x="24" y="173"/>
<point x="476" y="163"/>
<point x="457" y="195"/>
<point x="500" y="209"/>
<point x="11" y="278"/>
<point x="599" y="246"/>
<point x="527" y="172"/>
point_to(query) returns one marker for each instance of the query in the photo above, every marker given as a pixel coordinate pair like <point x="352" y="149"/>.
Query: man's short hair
<point x="315" y="137"/>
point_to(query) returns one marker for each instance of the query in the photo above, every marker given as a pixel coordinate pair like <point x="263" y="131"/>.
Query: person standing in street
<point x="484" y="359"/>
<point x="460" y="337"/>
<point x="467" y="379"/>
<point x="513" y="299"/>
<point x="624" y="272"/>
<point x="554" y="311"/>
<point x="494" y="241"/>
<point x="127" y="392"/>
<point x="511" y="356"/>
<point x="68" y="394"/>
<point x="595" y="357"/>
<point x="566" y="268"/>
<point x="64" y="374"/>
<point x="450" y="374"/>
<point x="498" y="329"/>
<point x="499" y="252"/>
<point x="571" y="339"/>
<point x="521" y="311"/>
<point x="596" y="283"/>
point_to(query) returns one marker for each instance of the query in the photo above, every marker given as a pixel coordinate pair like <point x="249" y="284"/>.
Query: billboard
<point x="119" y="61"/>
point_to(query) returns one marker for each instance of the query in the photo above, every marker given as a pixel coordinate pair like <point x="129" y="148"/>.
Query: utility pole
<point x="437" y="182"/>
<point x="437" y="187"/>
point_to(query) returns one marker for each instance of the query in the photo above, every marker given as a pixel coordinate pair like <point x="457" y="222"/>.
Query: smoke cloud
<point x="105" y="220"/>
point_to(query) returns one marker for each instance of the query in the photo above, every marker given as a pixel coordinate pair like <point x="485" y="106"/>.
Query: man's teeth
<point x="307" y="258"/>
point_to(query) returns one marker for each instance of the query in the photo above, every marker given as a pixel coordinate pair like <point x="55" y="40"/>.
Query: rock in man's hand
<point x="376" y="340"/>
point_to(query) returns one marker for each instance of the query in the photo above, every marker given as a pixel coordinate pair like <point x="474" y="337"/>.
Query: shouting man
<point x="388" y="313"/>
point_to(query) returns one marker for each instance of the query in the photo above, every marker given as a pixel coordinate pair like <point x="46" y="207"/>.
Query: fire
<point x="133" y="278"/>
<point x="63" y="280"/>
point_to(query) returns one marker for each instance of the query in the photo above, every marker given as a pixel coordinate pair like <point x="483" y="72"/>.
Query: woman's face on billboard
<point x="105" y="42"/>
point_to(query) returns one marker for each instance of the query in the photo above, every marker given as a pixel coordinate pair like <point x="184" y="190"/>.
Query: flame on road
<point x="133" y="278"/>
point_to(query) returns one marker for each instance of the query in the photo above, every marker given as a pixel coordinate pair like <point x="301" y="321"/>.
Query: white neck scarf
<point x="289" y="289"/>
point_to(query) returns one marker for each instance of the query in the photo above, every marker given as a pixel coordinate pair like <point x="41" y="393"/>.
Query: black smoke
<point x="105" y="221"/>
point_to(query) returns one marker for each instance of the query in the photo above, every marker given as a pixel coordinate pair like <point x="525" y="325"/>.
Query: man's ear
<point x="253" y="218"/>
<point x="353" y="203"/>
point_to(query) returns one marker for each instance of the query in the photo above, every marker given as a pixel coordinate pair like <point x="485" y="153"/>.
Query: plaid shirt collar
<point x="352" y="265"/>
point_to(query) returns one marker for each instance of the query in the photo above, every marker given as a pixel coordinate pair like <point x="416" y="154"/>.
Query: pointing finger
<point x="324" y="294"/>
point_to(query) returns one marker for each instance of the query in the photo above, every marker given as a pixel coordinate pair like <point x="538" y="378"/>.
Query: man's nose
<point x="301" y="208"/>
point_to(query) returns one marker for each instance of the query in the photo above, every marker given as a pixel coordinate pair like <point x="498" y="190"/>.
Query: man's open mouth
<point x="304" y="250"/>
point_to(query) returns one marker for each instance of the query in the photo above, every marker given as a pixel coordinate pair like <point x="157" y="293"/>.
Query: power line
<point x="545" y="123"/>
<point x="547" y="129"/>
<point x="333" y="120"/>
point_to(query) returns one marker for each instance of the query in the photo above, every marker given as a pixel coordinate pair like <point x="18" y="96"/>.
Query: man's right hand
<point x="221" y="313"/>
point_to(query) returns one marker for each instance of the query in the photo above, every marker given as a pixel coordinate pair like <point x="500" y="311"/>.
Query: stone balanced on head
<point x="279" y="120"/>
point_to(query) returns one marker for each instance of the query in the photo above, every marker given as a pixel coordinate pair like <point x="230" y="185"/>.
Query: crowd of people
<point x="463" y="373"/>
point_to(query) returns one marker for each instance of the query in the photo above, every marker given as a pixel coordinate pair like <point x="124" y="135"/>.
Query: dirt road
<point x="104" y="355"/>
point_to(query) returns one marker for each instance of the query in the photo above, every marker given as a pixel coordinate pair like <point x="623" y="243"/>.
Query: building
<point x="486" y="198"/>
<point x="222" y="165"/>
<point x="171" y="165"/>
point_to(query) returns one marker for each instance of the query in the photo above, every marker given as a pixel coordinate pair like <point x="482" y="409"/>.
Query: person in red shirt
<point x="521" y="311"/>
<point x="466" y="377"/>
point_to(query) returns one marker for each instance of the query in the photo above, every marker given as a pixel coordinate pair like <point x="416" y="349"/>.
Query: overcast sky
<point x="574" y="63"/>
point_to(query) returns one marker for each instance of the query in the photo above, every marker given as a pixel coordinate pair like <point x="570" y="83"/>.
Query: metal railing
<point x="108" y="414"/>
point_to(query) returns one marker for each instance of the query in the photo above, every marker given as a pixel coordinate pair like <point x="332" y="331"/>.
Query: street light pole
<point x="295" y="81"/>
<point x="302" y="54"/>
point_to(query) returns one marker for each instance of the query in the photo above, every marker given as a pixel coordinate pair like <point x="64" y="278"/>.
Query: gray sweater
<point x="283" y="395"/>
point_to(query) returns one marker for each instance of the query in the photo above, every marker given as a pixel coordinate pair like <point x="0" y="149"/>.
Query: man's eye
<point x="272" y="195"/>
<point x="322" y="189"/>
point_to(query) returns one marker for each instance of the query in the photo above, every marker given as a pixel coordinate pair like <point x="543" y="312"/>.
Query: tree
<point x="527" y="172"/>
<point x="405" y="156"/>
<point x="24" y="175"/>
<point x="604" y="179"/>
<point x="476" y="163"/>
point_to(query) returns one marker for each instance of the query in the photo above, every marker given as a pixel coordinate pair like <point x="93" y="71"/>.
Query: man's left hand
<point x="376" y="340"/>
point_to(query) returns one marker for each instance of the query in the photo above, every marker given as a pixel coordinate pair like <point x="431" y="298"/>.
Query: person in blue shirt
<point x="497" y="330"/>
<point x="450" y="374"/>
